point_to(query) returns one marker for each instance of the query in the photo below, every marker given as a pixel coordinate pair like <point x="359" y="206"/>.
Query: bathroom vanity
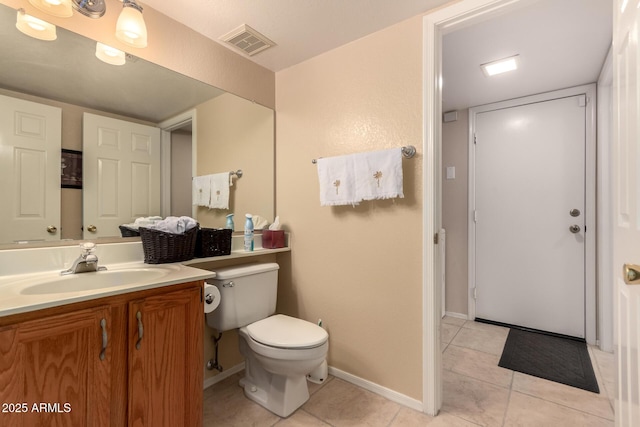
<point x="110" y="348"/>
<point x="130" y="359"/>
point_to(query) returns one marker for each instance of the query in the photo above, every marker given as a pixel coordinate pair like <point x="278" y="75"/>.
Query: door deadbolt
<point x="574" y="228"/>
<point x="574" y="212"/>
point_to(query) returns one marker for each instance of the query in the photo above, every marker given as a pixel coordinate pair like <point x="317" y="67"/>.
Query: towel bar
<point x="407" y="152"/>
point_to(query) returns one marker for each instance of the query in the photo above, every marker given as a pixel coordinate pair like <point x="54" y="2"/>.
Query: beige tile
<point x="455" y="321"/>
<point x="447" y="332"/>
<point x="605" y="364"/>
<point x="342" y="404"/>
<point x="470" y="324"/>
<point x="410" y="418"/>
<point x="530" y="411"/>
<point x="301" y="418"/>
<point x="225" y="405"/>
<point x="473" y="400"/>
<point x="582" y="400"/>
<point x="476" y="364"/>
<point x="488" y="340"/>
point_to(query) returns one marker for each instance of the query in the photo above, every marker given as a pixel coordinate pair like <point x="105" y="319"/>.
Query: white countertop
<point x="14" y="300"/>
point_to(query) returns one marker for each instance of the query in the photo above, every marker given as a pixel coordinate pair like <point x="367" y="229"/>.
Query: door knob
<point x="52" y="229"/>
<point x="574" y="212"/>
<point x="92" y="228"/>
<point x="574" y="228"/>
<point x="631" y="274"/>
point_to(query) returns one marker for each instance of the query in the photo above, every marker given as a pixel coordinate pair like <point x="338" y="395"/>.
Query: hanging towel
<point x="378" y="174"/>
<point x="201" y="190"/>
<point x="219" y="191"/>
<point x="337" y="185"/>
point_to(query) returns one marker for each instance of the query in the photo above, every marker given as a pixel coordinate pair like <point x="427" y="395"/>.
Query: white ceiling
<point x="560" y="43"/>
<point x="301" y="29"/>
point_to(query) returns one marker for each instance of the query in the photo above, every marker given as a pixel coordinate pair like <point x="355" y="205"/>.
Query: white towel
<point x="219" y="191"/>
<point x="337" y="185"/>
<point x="378" y="174"/>
<point x="175" y="225"/>
<point x="201" y="190"/>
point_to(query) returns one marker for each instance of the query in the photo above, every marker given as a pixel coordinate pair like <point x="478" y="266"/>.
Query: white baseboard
<point x="360" y="382"/>
<point x="208" y="382"/>
<point x="377" y="389"/>
<point x="457" y="315"/>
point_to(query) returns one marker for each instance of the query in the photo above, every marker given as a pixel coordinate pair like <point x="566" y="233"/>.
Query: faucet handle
<point x="87" y="247"/>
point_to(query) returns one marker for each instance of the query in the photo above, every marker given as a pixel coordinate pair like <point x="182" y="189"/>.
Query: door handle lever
<point x="631" y="274"/>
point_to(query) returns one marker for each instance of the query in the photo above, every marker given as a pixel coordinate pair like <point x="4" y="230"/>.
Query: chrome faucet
<point x="86" y="262"/>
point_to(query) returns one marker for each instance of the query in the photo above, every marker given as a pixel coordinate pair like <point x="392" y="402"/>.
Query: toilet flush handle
<point x="229" y="284"/>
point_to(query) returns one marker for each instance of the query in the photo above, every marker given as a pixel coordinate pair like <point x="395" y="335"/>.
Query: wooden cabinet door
<point x="53" y="371"/>
<point x="166" y="359"/>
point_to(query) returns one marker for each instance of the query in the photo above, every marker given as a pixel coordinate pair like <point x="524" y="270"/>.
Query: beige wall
<point x="176" y="47"/>
<point x="359" y="269"/>
<point x="233" y="133"/>
<point x="455" y="211"/>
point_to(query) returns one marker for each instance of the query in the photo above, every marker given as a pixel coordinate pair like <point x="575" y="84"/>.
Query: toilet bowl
<point x="279" y="350"/>
<point x="275" y="372"/>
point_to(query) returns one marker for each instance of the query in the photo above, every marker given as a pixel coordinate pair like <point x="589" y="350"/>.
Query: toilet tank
<point x="248" y="293"/>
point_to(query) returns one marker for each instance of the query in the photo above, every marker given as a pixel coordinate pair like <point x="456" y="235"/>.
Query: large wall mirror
<point x="202" y="130"/>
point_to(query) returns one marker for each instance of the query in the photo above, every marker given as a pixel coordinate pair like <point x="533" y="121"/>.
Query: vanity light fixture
<point x="500" y="66"/>
<point x="109" y="54"/>
<point x="58" y="8"/>
<point x="34" y="27"/>
<point x="130" y="28"/>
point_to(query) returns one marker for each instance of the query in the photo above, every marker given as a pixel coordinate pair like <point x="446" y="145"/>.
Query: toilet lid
<point x="287" y="332"/>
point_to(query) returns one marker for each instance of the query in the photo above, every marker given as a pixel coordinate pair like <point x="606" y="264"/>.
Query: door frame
<point x="166" y="127"/>
<point x="434" y="25"/>
<point x="590" y="193"/>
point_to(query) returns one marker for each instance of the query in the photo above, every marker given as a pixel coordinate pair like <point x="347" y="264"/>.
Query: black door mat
<point x="553" y="358"/>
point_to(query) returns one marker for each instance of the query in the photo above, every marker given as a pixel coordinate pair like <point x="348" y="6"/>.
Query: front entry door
<point x="530" y="214"/>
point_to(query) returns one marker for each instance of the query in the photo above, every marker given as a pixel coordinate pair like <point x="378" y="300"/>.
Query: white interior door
<point x="121" y="167"/>
<point x="30" y="141"/>
<point x="626" y="209"/>
<point x="530" y="214"/>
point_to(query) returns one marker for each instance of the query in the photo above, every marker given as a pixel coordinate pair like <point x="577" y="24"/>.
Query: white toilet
<point x="279" y="350"/>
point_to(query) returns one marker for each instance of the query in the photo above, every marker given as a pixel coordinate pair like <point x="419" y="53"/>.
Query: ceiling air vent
<point x="247" y="40"/>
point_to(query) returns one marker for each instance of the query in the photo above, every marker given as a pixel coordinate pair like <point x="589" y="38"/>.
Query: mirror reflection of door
<point x="121" y="166"/>
<point x="30" y="141"/>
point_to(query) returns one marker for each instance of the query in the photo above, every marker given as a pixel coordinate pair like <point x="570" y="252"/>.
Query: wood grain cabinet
<point x="134" y="359"/>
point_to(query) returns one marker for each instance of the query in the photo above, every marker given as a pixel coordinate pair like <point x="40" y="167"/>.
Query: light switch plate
<point x="451" y="172"/>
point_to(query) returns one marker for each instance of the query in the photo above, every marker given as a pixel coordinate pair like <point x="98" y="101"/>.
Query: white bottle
<point x="248" y="233"/>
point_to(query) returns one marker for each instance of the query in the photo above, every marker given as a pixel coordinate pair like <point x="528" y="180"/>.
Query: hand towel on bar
<point x="219" y="191"/>
<point x="201" y="190"/>
<point x="378" y="174"/>
<point x="337" y="186"/>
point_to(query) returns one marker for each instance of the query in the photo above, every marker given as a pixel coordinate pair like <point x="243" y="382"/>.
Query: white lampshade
<point x="59" y="8"/>
<point x="130" y="28"/>
<point x="109" y="54"/>
<point x="34" y="27"/>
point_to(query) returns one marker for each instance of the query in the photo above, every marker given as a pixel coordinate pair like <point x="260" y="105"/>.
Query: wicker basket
<point x="213" y="242"/>
<point x="128" y="232"/>
<point x="161" y="247"/>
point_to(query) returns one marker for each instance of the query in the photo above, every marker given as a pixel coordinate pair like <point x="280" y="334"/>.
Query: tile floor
<point x="476" y="393"/>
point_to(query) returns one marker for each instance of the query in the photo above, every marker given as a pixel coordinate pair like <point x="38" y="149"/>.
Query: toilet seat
<point x="286" y="332"/>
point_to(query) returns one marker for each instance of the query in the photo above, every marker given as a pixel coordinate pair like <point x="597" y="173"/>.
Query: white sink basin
<point x="91" y="281"/>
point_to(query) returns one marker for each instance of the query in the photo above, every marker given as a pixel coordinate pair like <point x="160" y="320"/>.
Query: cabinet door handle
<point x="140" y="330"/>
<point x="105" y="339"/>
